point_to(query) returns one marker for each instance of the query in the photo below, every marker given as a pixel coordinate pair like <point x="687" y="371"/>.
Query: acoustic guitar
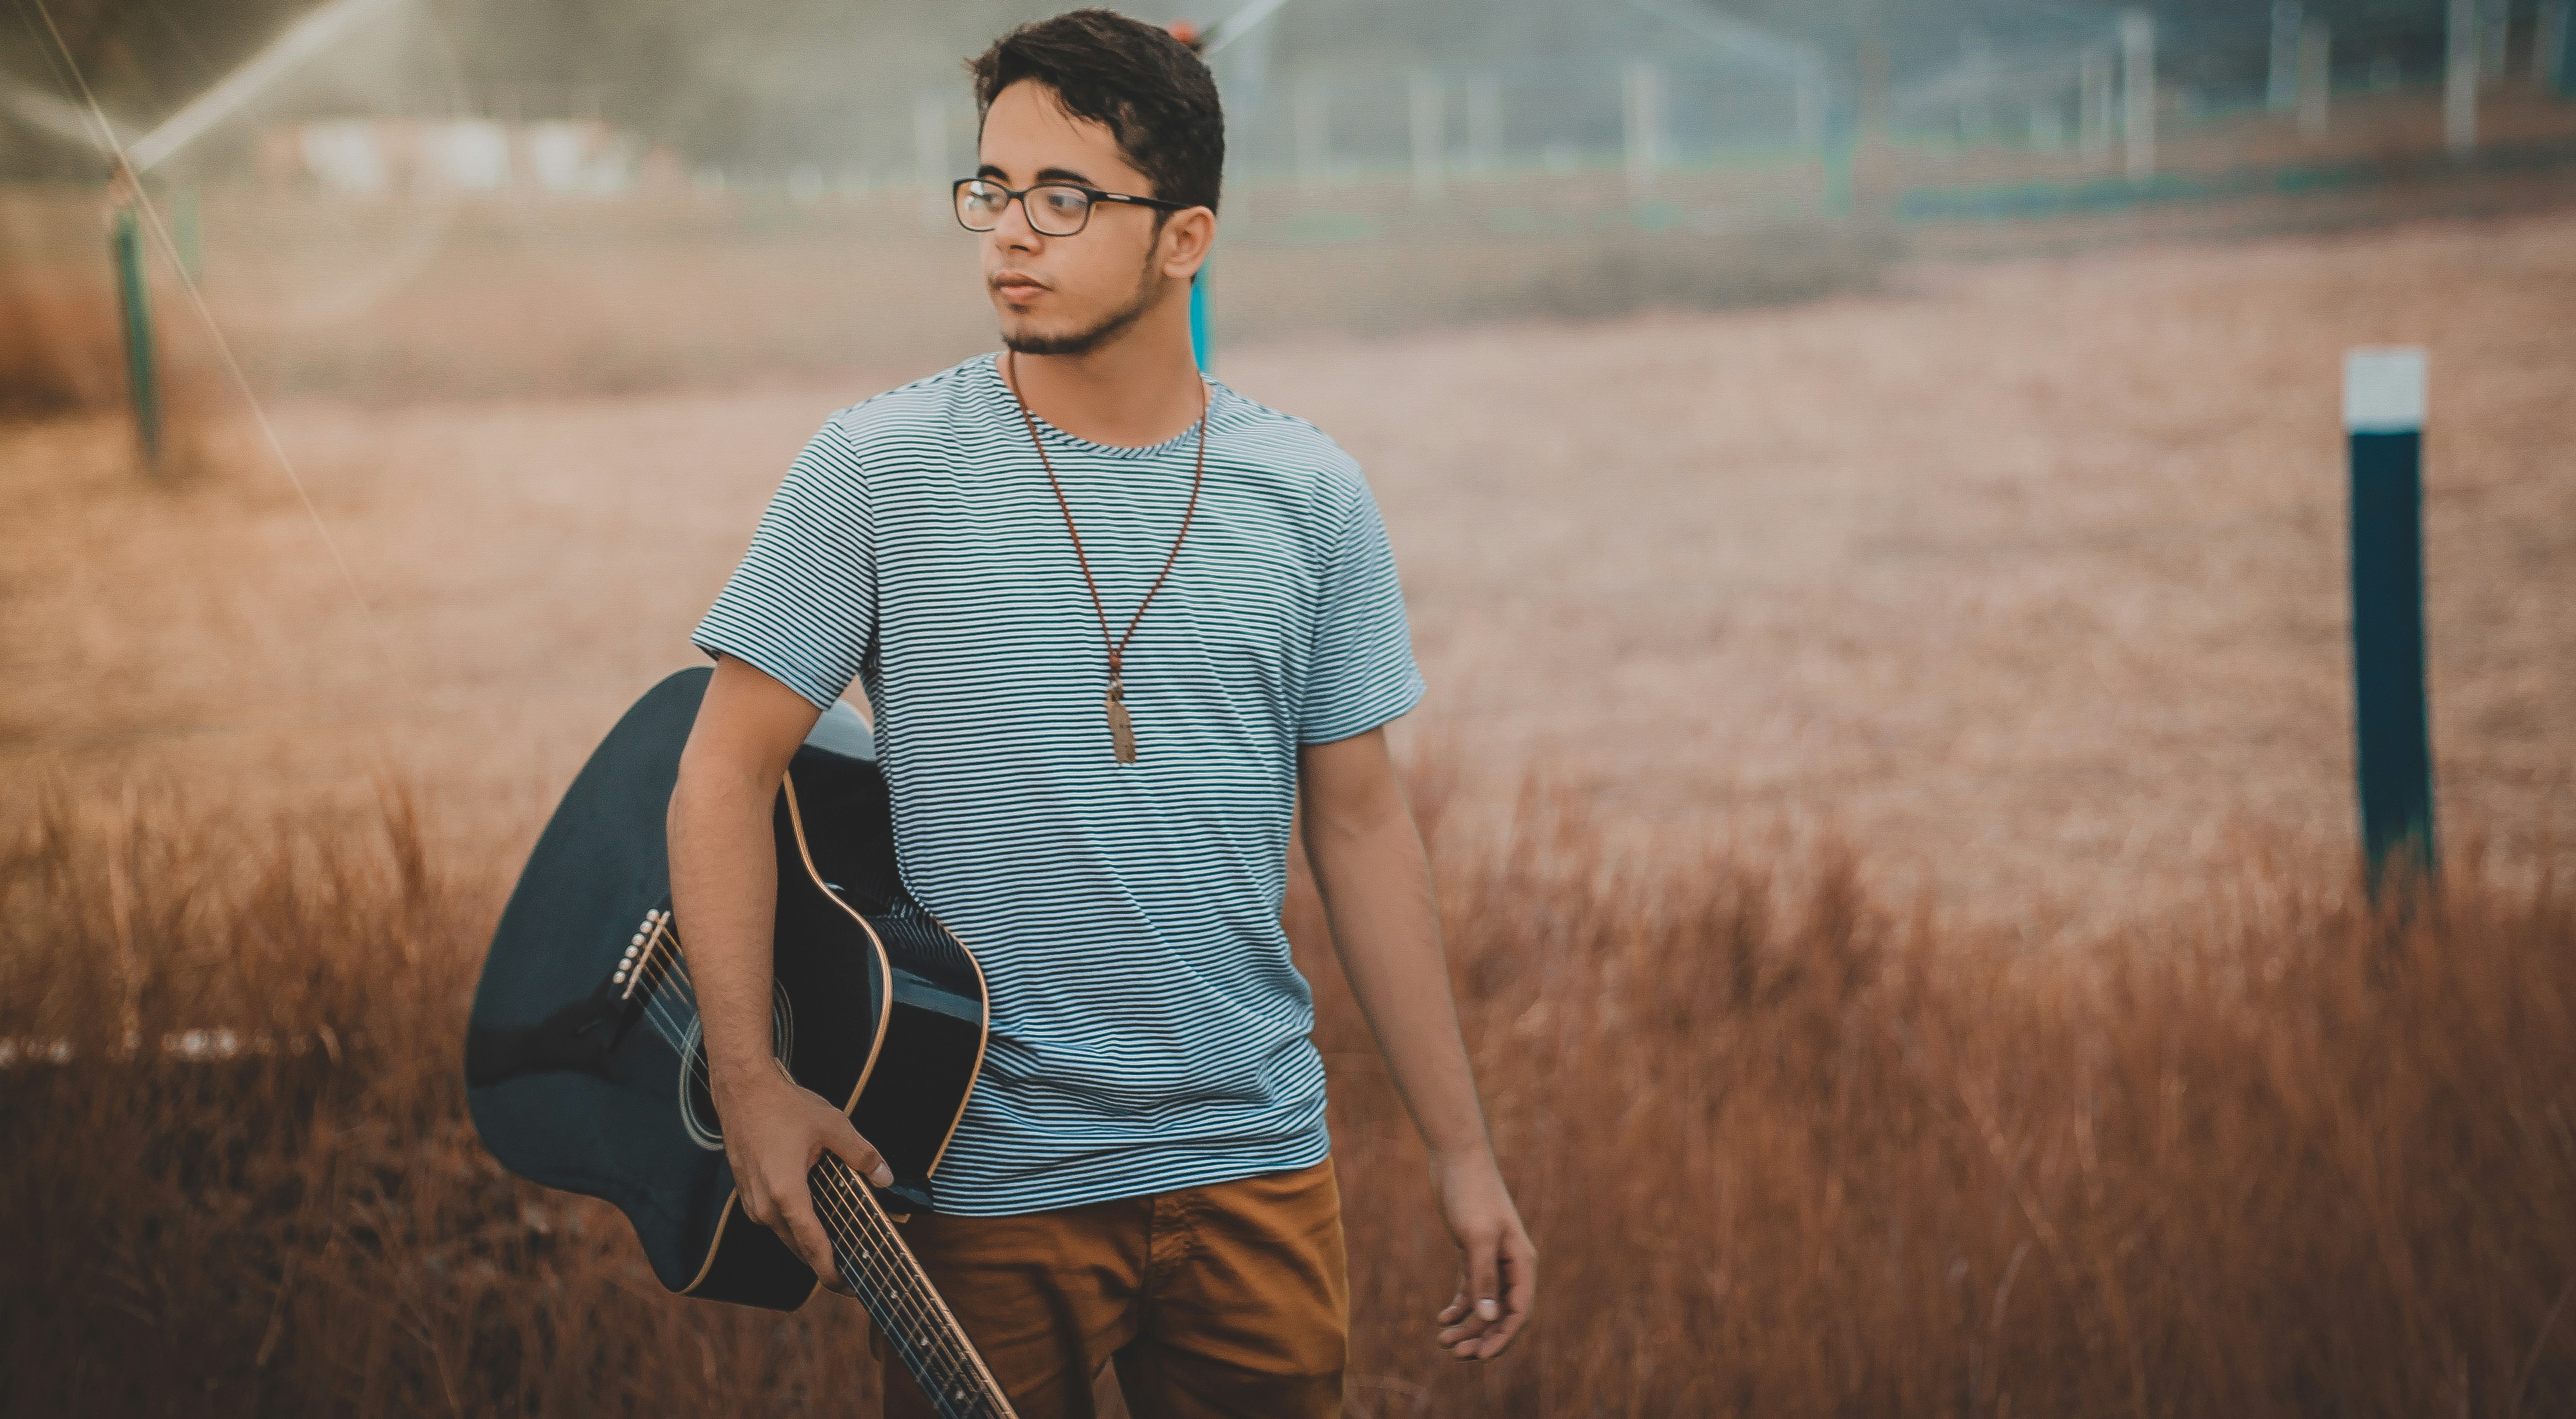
<point x="586" y="1069"/>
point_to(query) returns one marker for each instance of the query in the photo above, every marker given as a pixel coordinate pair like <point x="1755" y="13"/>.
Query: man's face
<point x="1059" y="295"/>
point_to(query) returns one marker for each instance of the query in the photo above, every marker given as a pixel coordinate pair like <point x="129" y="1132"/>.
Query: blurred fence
<point x="1672" y="158"/>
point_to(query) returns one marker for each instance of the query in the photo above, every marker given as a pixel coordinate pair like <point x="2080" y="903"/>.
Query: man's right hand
<point x="775" y="1130"/>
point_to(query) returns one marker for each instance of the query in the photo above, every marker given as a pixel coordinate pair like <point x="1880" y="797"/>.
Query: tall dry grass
<point x="1784" y="1154"/>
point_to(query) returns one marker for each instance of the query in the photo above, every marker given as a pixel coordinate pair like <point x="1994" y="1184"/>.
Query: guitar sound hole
<point x="697" y="1104"/>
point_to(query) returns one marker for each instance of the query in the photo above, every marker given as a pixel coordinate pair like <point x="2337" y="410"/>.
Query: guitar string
<point x="935" y="1326"/>
<point x="899" y="1311"/>
<point x="936" y="1341"/>
<point x="932" y="1339"/>
<point x="846" y="1207"/>
<point x="670" y="969"/>
<point x="657" y="969"/>
<point x="661" y="969"/>
<point x="841" y="1189"/>
<point x="667" y="1024"/>
<point x="666" y="969"/>
<point x="930" y="1332"/>
<point x="669" y="1028"/>
<point x="842" y="1192"/>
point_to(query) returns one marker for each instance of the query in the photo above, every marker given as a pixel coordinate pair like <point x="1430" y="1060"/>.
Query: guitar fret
<point x="900" y="1298"/>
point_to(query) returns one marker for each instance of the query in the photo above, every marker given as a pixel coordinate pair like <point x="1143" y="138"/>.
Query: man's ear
<point x="1187" y="235"/>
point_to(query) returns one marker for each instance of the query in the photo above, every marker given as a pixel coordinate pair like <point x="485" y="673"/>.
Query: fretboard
<point x="900" y="1299"/>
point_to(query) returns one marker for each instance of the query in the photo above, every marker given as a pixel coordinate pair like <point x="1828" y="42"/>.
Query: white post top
<point x="2383" y="389"/>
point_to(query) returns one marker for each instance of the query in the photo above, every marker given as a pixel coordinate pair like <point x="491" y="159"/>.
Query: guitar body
<point x="584" y="1065"/>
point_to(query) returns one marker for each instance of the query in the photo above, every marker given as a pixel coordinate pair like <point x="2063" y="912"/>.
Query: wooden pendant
<point x="1122" y="735"/>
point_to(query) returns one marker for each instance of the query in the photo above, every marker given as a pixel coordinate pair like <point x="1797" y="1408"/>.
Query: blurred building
<point x="379" y="157"/>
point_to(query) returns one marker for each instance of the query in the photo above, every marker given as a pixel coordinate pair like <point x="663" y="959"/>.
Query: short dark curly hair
<point x="1151" y="91"/>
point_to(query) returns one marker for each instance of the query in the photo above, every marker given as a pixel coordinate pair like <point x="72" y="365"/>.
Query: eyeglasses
<point x="1054" y="208"/>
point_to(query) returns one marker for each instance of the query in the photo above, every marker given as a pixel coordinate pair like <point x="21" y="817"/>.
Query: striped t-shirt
<point x="1148" y="1028"/>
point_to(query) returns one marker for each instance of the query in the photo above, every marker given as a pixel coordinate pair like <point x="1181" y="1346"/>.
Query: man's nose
<point x="1013" y="229"/>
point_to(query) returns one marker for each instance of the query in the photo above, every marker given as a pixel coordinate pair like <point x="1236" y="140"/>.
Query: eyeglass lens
<point x="1053" y="210"/>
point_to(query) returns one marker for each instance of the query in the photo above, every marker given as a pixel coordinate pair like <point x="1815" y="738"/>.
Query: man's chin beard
<point x="1083" y="342"/>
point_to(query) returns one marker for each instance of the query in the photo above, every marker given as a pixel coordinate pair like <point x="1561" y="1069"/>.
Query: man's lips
<point x="1017" y="286"/>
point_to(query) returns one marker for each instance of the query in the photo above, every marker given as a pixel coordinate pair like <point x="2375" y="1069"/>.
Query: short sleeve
<point x="1362" y="672"/>
<point x="801" y="608"/>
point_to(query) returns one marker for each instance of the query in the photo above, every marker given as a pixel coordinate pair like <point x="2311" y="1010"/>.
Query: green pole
<point x="134" y="300"/>
<point x="2384" y="423"/>
<point x="2558" y="46"/>
<point x="1202" y="332"/>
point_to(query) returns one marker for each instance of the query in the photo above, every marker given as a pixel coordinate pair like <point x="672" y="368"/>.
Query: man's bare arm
<point x="1368" y="862"/>
<point x="724" y="896"/>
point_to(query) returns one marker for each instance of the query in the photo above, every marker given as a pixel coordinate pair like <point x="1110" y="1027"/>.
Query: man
<point x="1112" y="619"/>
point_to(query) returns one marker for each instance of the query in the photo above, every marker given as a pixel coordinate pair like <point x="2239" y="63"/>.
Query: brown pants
<point x="1229" y="1299"/>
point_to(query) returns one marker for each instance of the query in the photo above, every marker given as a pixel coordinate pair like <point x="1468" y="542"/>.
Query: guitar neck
<point x="900" y="1298"/>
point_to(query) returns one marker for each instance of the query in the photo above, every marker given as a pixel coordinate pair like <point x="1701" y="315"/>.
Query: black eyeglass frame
<point x="1091" y="197"/>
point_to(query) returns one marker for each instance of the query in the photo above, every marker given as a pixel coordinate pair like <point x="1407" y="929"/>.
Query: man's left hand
<point x="1497" y="1265"/>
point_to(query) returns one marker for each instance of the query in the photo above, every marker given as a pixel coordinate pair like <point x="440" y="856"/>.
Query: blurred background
<point x="1868" y="476"/>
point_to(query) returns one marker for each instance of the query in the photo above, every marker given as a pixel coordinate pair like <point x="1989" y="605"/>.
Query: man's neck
<point x="1137" y="390"/>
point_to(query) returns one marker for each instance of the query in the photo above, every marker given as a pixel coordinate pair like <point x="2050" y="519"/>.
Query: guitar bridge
<point x="648" y="955"/>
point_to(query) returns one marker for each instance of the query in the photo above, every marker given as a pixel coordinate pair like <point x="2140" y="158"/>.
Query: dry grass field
<point x="1811" y="1159"/>
<point x="2027" y="577"/>
<point x="1796" y="674"/>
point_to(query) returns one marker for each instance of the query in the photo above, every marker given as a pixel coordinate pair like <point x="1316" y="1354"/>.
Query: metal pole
<point x="1484" y="124"/>
<point x="2283" y="91"/>
<point x="2093" y="106"/>
<point x="1643" y="123"/>
<point x="125" y="242"/>
<point x="1976" y="113"/>
<point x="1842" y="162"/>
<point x="2316" y="77"/>
<point x="2460" y="80"/>
<point x="1429" y="109"/>
<point x="1871" y="183"/>
<point x="2138" y="89"/>
<point x="2383" y="406"/>
<point x="2550" y="46"/>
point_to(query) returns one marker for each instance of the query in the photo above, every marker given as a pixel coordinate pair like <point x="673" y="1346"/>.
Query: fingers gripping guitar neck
<point x="876" y="1263"/>
<point x="872" y="1255"/>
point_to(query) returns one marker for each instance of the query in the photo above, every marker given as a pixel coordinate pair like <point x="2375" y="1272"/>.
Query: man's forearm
<point x="1377" y="891"/>
<point x="1368" y="861"/>
<point x="724" y="895"/>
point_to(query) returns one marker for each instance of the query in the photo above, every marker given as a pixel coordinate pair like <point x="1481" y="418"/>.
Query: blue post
<point x="1202" y="341"/>
<point x="2558" y="40"/>
<point x="134" y="307"/>
<point x="2383" y="404"/>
